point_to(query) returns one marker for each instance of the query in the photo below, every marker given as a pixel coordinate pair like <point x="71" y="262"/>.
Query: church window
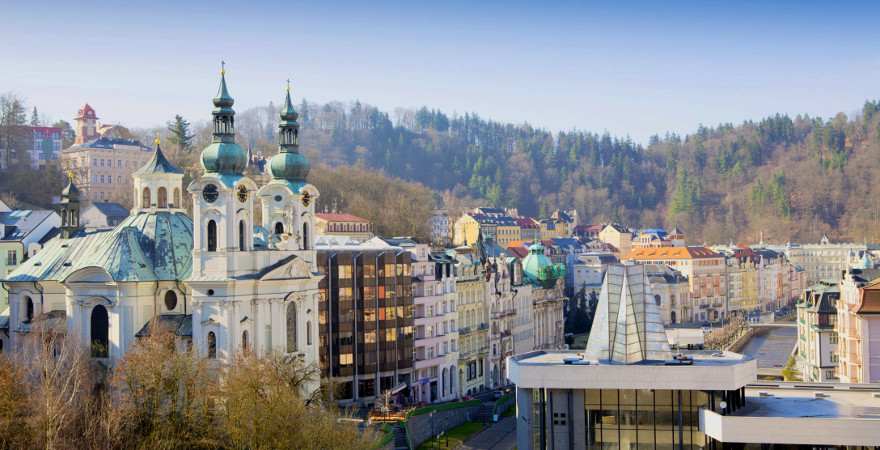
<point x="657" y="300"/>
<point x="100" y="325"/>
<point x="212" y="236"/>
<point x="176" y="199"/>
<point x="212" y="345"/>
<point x="245" y="345"/>
<point x="305" y="236"/>
<point x="241" y="235"/>
<point x="309" y="332"/>
<point x="145" y="198"/>
<point x="291" y="327"/>
<point x="28" y="310"/>
<point x="170" y="300"/>
<point x="279" y="228"/>
<point x="163" y="197"/>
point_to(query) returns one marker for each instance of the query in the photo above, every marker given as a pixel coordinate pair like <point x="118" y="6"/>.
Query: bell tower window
<point x="279" y="228"/>
<point x="163" y="197"/>
<point x="145" y="198"/>
<point x="176" y="198"/>
<point x="212" y="236"/>
<point x="305" y="236"/>
<point x="241" y="236"/>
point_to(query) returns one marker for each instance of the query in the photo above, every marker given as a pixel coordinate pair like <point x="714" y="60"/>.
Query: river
<point x="771" y="347"/>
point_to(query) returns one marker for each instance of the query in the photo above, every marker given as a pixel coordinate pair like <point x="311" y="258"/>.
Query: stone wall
<point x="419" y="427"/>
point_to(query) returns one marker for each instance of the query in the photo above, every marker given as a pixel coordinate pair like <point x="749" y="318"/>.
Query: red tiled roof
<point x="341" y="217"/>
<point x="652" y="253"/>
<point x="519" y="252"/>
<point x="526" y="222"/>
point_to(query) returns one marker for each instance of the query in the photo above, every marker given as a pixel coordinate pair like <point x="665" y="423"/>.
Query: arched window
<point x="170" y="300"/>
<point x="145" y="198"/>
<point x="28" y="310"/>
<point x="672" y="314"/>
<point x="657" y="300"/>
<point x="176" y="198"/>
<point x="212" y="236"/>
<point x="443" y="383"/>
<point x="100" y="325"/>
<point x="163" y="197"/>
<point x="245" y="345"/>
<point x="212" y="345"/>
<point x="241" y="235"/>
<point x="305" y="236"/>
<point x="279" y="228"/>
<point x="291" y="327"/>
<point x="309" y="332"/>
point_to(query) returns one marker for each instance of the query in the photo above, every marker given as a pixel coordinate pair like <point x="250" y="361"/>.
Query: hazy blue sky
<point x="638" y="69"/>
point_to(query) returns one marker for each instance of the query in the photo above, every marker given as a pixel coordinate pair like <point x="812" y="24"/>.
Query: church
<point x="221" y="281"/>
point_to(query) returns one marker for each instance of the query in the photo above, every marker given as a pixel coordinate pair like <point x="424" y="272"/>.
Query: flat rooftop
<point x="699" y="358"/>
<point x="705" y="370"/>
<point x="819" y="401"/>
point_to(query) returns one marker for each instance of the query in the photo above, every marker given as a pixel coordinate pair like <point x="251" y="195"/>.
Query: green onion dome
<point x="224" y="158"/>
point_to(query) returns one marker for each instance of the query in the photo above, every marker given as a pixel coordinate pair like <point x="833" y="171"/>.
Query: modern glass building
<point x="365" y="319"/>
<point x="628" y="391"/>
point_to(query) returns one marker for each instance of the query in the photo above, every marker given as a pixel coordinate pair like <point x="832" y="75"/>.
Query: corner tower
<point x="223" y="203"/>
<point x="288" y="200"/>
<point x="157" y="184"/>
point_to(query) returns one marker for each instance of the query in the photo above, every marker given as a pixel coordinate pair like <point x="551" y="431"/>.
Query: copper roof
<point x="869" y="299"/>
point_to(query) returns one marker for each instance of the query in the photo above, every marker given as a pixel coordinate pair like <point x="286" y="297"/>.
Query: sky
<point x="629" y="68"/>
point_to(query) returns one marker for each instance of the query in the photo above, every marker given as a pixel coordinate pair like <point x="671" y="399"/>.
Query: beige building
<point x="858" y="327"/>
<point x="473" y="326"/>
<point x="337" y="224"/>
<point x="617" y="236"/>
<point x="705" y="271"/>
<point x="102" y="164"/>
<point x="825" y="260"/>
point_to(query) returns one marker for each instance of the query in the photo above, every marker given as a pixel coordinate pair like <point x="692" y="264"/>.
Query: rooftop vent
<point x="821" y="395"/>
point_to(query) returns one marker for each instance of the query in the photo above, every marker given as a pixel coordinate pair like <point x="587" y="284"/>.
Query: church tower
<point x="223" y="203"/>
<point x="157" y="184"/>
<point x="86" y="125"/>
<point x="68" y="209"/>
<point x="288" y="200"/>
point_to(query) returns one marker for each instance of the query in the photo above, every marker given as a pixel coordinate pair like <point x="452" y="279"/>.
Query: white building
<point x="222" y="283"/>
<point x="627" y="390"/>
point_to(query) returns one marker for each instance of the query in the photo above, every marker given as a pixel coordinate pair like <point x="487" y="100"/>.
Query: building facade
<point x="825" y="260"/>
<point x="366" y="319"/>
<point x="817" y="332"/>
<point x="858" y="327"/>
<point x="40" y="145"/>
<point x="473" y="324"/>
<point x="340" y="224"/>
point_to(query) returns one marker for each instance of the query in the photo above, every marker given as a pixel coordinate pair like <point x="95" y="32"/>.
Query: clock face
<point x="242" y="193"/>
<point x="210" y="193"/>
<point x="306" y="199"/>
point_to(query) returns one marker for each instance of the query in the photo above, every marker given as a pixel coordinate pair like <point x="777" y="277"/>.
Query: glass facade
<point x="624" y="419"/>
<point x="366" y="320"/>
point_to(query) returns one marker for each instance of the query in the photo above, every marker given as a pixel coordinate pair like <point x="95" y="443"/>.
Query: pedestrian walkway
<point x="500" y="436"/>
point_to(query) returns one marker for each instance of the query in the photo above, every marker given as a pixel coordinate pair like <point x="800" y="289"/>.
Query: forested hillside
<point x="790" y="178"/>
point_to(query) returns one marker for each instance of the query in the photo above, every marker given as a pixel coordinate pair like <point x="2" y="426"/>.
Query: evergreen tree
<point x="180" y="133"/>
<point x="35" y="118"/>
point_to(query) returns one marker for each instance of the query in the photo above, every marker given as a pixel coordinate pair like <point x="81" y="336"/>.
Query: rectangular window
<point x="11" y="258"/>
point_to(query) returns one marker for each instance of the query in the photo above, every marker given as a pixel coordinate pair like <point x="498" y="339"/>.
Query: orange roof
<point x="652" y="253"/>
<point x="340" y="217"/>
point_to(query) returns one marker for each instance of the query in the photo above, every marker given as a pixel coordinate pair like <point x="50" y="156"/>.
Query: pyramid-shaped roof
<point x="627" y="328"/>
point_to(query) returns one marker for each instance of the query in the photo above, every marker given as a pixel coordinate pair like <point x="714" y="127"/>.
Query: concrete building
<point x="440" y="228"/>
<point x="505" y="275"/>
<point x="366" y="323"/>
<point x="627" y="390"/>
<point x="669" y="290"/>
<point x="817" y="332"/>
<point x="858" y="327"/>
<point x="618" y="236"/>
<point x="340" y="224"/>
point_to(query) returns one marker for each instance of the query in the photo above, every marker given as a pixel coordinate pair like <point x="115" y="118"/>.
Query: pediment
<point x="296" y="268"/>
<point x="90" y="274"/>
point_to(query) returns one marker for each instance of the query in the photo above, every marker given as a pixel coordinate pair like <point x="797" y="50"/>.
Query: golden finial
<point x="288" y="85"/>
<point x="222" y="68"/>
<point x="70" y="175"/>
<point x="156" y="141"/>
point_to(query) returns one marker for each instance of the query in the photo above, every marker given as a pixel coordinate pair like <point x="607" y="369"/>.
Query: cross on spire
<point x="222" y="67"/>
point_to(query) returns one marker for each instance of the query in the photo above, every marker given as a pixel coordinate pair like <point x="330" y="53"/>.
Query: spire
<point x="224" y="115"/>
<point x="158" y="163"/>
<point x="68" y="209"/>
<point x="289" y="164"/>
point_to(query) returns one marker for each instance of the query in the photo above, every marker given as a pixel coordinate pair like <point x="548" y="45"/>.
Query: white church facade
<point x="221" y="282"/>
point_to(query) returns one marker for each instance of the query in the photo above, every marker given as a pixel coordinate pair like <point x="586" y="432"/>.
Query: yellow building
<point x="618" y="236"/>
<point x="500" y="227"/>
<point x="473" y="323"/>
<point x="465" y="230"/>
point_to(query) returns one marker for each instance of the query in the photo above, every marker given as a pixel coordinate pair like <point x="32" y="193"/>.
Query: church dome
<point x="539" y="269"/>
<point x="289" y="166"/>
<point x="224" y="157"/>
